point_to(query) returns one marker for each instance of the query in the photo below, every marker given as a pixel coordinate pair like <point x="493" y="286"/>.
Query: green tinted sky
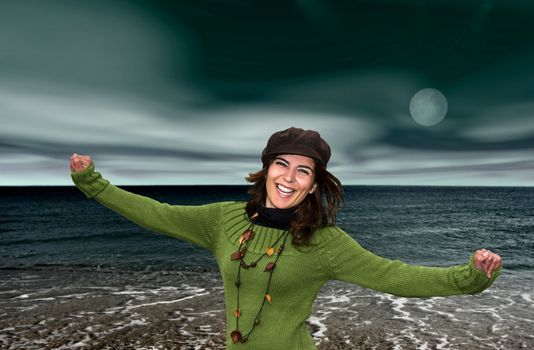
<point x="188" y="92"/>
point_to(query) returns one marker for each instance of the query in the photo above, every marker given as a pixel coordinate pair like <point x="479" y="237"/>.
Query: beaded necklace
<point x="244" y="239"/>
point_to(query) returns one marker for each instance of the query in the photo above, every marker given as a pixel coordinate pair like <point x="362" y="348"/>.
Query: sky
<point x="188" y="92"/>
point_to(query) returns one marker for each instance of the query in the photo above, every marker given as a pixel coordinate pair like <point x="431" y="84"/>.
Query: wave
<point x="163" y="269"/>
<point x="71" y="238"/>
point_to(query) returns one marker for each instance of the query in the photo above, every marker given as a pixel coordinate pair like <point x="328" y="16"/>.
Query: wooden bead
<point x="269" y="251"/>
<point x="237" y="255"/>
<point x="269" y="267"/>
<point x="236" y="336"/>
<point x="248" y="235"/>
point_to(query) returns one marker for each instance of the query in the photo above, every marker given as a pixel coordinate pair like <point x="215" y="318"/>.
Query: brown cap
<point x="297" y="141"/>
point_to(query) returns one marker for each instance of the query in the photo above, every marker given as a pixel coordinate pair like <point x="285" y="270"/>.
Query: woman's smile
<point x="284" y="190"/>
<point x="290" y="179"/>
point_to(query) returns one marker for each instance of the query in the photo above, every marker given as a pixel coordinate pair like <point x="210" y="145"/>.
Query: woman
<point x="278" y="249"/>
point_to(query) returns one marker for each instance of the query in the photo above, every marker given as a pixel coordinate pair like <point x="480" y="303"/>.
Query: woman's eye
<point x="280" y="163"/>
<point x="304" y="171"/>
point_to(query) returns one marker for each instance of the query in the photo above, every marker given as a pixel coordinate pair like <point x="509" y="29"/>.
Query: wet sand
<point x="111" y="309"/>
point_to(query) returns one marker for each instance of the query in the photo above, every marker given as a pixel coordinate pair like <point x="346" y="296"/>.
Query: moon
<point x="428" y="107"/>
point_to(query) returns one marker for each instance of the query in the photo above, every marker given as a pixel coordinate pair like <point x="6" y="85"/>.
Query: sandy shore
<point x="97" y="309"/>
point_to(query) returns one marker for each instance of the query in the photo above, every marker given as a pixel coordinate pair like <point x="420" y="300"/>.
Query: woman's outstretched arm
<point x="195" y="224"/>
<point x="348" y="261"/>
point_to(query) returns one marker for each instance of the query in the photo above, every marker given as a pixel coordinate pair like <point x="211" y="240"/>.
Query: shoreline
<point x="114" y="309"/>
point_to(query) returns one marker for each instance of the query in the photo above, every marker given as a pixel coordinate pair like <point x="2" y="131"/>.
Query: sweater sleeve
<point x="350" y="262"/>
<point x="195" y="224"/>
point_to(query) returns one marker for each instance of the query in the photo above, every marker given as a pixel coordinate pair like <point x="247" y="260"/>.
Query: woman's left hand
<point x="487" y="261"/>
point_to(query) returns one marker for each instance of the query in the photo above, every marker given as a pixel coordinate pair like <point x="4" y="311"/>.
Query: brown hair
<point x="317" y="210"/>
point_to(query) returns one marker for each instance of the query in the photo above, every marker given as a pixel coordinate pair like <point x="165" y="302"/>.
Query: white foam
<point x="27" y="308"/>
<point x="141" y="322"/>
<point x="113" y="310"/>
<point x="133" y="321"/>
<point x="407" y="333"/>
<point x="82" y="343"/>
<point x="336" y="299"/>
<point x="527" y="298"/>
<point x="43" y="322"/>
<point x="398" y="303"/>
<point x="444" y="343"/>
<point x="77" y="296"/>
<point x="166" y="301"/>
<point x="10" y="291"/>
<point x="128" y="292"/>
<point x="103" y="288"/>
<point x="495" y="328"/>
<point x="488" y="342"/>
<point x="39" y="292"/>
<point x="430" y="306"/>
<point x="423" y="346"/>
<point x="169" y="288"/>
<point x="319" y="335"/>
<point x="181" y="317"/>
<point x="521" y="319"/>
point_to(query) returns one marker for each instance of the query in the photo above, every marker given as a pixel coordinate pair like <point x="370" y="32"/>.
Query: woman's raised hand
<point x="487" y="261"/>
<point x="79" y="162"/>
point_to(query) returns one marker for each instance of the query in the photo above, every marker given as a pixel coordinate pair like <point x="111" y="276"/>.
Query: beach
<point x="90" y="279"/>
<point x="112" y="309"/>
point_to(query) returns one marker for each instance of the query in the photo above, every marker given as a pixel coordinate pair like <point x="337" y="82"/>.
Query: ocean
<point x="77" y="275"/>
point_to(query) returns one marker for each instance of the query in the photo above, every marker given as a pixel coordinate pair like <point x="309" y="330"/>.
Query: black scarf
<point x="275" y="218"/>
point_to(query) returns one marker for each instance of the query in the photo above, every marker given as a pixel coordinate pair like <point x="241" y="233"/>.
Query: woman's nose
<point x="289" y="176"/>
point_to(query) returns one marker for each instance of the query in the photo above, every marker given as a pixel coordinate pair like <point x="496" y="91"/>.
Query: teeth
<point x="284" y="189"/>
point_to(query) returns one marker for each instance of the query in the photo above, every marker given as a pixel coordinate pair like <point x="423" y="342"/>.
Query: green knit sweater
<point x="299" y="274"/>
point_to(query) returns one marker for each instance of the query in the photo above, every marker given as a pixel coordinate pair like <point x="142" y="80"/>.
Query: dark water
<point x="431" y="225"/>
<point x="57" y="246"/>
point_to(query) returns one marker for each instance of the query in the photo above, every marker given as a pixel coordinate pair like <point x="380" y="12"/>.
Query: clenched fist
<point x="79" y="163"/>
<point x="487" y="261"/>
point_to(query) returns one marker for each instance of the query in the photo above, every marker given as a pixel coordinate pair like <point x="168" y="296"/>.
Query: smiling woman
<point x="277" y="250"/>
<point x="289" y="180"/>
<point x="294" y="176"/>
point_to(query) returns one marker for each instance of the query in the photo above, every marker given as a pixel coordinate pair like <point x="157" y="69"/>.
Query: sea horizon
<point x="245" y="185"/>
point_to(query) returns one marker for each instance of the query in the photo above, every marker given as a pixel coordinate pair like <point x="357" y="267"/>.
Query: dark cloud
<point x="450" y="141"/>
<point x="503" y="167"/>
<point x="187" y="86"/>
<point x="61" y="151"/>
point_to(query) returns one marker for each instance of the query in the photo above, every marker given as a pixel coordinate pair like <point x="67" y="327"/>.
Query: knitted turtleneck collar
<point x="275" y="218"/>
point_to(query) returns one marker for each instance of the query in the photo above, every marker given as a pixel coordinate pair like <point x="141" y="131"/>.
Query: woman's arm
<point x="350" y="262"/>
<point x="195" y="224"/>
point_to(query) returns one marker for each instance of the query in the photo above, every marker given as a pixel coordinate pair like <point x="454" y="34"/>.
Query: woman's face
<point x="290" y="178"/>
